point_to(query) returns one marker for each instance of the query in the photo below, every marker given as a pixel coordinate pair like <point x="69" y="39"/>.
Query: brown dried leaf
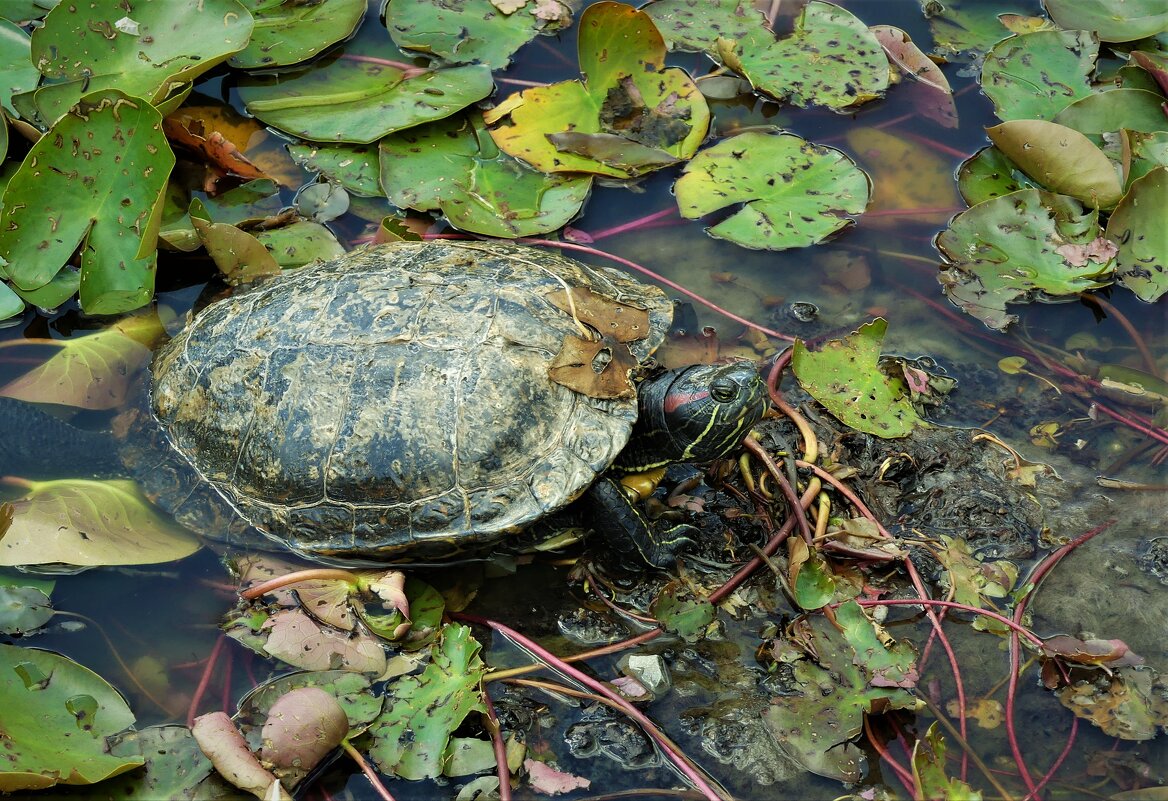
<point x="620" y="321"/>
<point x="598" y="369"/>
<point x="239" y="256"/>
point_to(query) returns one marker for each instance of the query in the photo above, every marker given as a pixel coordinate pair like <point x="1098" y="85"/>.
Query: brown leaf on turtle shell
<point x="621" y="322"/>
<point x="598" y="369"/>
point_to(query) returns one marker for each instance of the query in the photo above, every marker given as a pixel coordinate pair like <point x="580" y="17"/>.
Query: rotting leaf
<point x="937" y="103"/>
<point x="229" y="753"/>
<point x="687" y="617"/>
<point x="240" y="257"/>
<point x="90" y="523"/>
<point x="622" y="322"/>
<point x="55" y="731"/>
<point x="795" y="193"/>
<point x="598" y="368"/>
<point x="94" y="371"/>
<point x="95" y="180"/>
<point x="844" y="375"/>
<point x="411" y="735"/>
<point x="301" y="728"/>
<point x="1129" y="704"/>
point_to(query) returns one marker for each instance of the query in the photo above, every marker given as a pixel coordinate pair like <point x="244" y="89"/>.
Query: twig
<point x="367" y="769"/>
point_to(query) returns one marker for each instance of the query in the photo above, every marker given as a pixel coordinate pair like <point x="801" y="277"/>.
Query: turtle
<point x="399" y="403"/>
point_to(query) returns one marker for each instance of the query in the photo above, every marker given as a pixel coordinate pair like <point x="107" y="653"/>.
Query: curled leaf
<point x="222" y="743"/>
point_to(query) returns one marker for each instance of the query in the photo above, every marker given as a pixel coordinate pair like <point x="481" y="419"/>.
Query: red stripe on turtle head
<point x="674" y="400"/>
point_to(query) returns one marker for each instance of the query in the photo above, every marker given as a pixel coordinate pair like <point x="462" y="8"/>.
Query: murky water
<point x="151" y="630"/>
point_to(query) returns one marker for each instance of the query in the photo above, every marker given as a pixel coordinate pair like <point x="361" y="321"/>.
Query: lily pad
<point x="454" y="166"/>
<point x="16" y="67"/>
<point x="844" y="375"/>
<point x="58" y="717"/>
<point x="1147" y="152"/>
<point x="465" y="31"/>
<point x="627" y="92"/>
<point x="1060" y="159"/>
<point x="831" y="59"/>
<point x="87" y="48"/>
<point x="989" y="174"/>
<point x="287" y="33"/>
<point x="796" y="193"/>
<point x="88" y="523"/>
<point x="359" y="99"/>
<point x="410" y="738"/>
<point x="1111" y="21"/>
<point x="300" y="243"/>
<point x="1104" y="112"/>
<point x="95" y="180"/>
<point x="905" y="178"/>
<point x="964" y="30"/>
<point x="22" y="608"/>
<point x="1017" y="248"/>
<point x="355" y="167"/>
<point x="1037" y="75"/>
<point x="697" y="25"/>
<point x="11" y="303"/>
<point x="1137" y="227"/>
<point x="351" y="690"/>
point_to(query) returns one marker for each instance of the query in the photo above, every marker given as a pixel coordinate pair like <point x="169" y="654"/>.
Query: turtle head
<point x="694" y="414"/>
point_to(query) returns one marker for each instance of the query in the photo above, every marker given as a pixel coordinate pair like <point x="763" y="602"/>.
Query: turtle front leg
<point x="617" y="518"/>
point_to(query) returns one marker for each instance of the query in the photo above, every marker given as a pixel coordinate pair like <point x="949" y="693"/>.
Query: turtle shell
<point x="397" y="398"/>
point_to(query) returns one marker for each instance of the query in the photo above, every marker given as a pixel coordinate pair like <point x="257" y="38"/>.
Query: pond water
<point x="152" y="631"/>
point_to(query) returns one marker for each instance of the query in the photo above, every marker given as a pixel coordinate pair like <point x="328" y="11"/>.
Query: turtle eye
<point x="723" y="390"/>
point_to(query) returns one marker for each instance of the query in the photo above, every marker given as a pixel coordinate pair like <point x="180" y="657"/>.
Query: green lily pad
<point x="288" y="33"/>
<point x="16" y="67"/>
<point x="60" y="288"/>
<point x="104" y="193"/>
<point x="355" y="167"/>
<point x="248" y="203"/>
<point x="1137" y="227"/>
<point x="1037" y="75"/>
<point x="57" y="718"/>
<point x="454" y="166"/>
<point x="966" y="31"/>
<point x="627" y="92"/>
<point x="465" y="31"/>
<point x="1104" y="112"/>
<point x="834" y="686"/>
<point x="300" y="243"/>
<point x="831" y="59"/>
<point x="844" y="375"/>
<point x="687" y="617"/>
<point x="359" y="101"/>
<point x="1111" y="21"/>
<point x="796" y="193"/>
<point x="10" y="302"/>
<point x="1028" y="245"/>
<point x="147" y="52"/>
<point x="409" y="739"/>
<point x="1060" y="159"/>
<point x="23" y="608"/>
<point x="987" y="174"/>
<point x="696" y="25"/>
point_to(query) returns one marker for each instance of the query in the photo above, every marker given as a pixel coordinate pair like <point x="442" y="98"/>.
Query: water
<point x="150" y="630"/>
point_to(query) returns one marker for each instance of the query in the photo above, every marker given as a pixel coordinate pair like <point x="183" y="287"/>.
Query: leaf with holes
<point x="1137" y="227"/>
<point x="697" y="25"/>
<point x="845" y="376"/>
<point x="96" y="180"/>
<point x="795" y="193"/>
<point x="288" y="33"/>
<point x="1037" y="75"/>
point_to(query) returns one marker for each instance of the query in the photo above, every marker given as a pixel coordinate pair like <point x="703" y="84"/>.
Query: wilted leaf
<point x="302" y="727"/>
<point x="809" y="575"/>
<point x="465" y="31"/>
<point x="410" y="736"/>
<point x="1137" y="226"/>
<point x="971" y="580"/>
<point x="1129" y="704"/>
<point x="288" y="33"/>
<point x="1110" y="653"/>
<point x="928" y="763"/>
<point x="622" y="322"/>
<point x="1037" y="75"/>
<point x="239" y="256"/>
<point x="96" y="180"/>
<point x="687" y="617"/>
<point x="598" y="368"/>
<point x="295" y="638"/>
<point x="1006" y="250"/>
<point x="57" y="718"/>
<point x="89" y="523"/>
<point x="831" y="59"/>
<point x="546" y="779"/>
<point x="937" y="103"/>
<point x="94" y="371"/>
<point x="627" y="91"/>
<point x="796" y="193"/>
<point x="987" y="712"/>
<point x="222" y="743"/>
<point x="182" y="127"/>
<point x="844" y="375"/>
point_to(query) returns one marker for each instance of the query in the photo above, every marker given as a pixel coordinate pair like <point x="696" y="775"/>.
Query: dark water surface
<point x="161" y="622"/>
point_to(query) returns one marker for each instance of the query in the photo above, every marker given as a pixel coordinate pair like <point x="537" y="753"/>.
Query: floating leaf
<point x="796" y="193"/>
<point x="988" y="174"/>
<point x="1104" y="112"/>
<point x="627" y="92"/>
<point x="454" y="166"/>
<point x="83" y="50"/>
<point x="937" y="96"/>
<point x="301" y="728"/>
<point x="687" y="617"/>
<point x="696" y="25"/>
<point x="239" y="256"/>
<point x="351" y="690"/>
<point x="57" y="718"/>
<point x="464" y="31"/>
<point x="300" y="243"/>
<point x="355" y="167"/>
<point x="288" y="33"/>
<point x="964" y="30"/>
<point x="844" y="375"/>
<point x="225" y="747"/>
<point x="94" y="371"/>
<point x="295" y="638"/>
<point x="1037" y="75"/>
<point x="1137" y="226"/>
<point x="360" y="99"/>
<point x="96" y="180"/>
<point x="16" y="67"/>
<point x="905" y="178"/>
<point x="1109" y="20"/>
<point x="831" y="59"/>
<point x="410" y="737"/>
<point x="1010" y="249"/>
<point x="10" y="303"/>
<point x="23" y="608"/>
<point x="89" y="523"/>
<point x="174" y="767"/>
<point x="1060" y="159"/>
